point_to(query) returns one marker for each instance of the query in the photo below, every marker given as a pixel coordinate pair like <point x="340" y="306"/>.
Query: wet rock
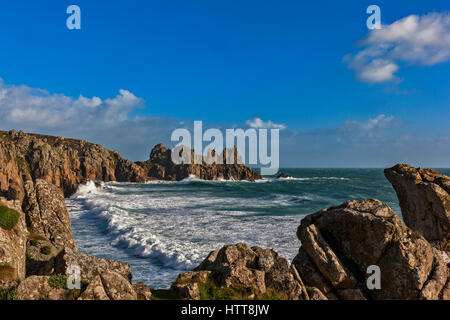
<point x="283" y="175"/>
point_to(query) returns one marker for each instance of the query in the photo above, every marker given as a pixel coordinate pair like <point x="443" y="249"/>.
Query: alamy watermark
<point x="257" y="147"/>
<point x="73" y="22"/>
<point x="374" y="21"/>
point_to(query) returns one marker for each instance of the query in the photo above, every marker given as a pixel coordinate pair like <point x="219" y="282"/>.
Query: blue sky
<point x="227" y="62"/>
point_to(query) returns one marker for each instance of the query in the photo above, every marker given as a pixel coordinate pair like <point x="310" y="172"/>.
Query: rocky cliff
<point x="66" y="163"/>
<point x="37" y="247"/>
<point x="62" y="162"/>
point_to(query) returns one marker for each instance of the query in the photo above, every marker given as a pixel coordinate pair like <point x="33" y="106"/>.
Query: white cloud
<point x="108" y="122"/>
<point x="25" y="105"/>
<point x="257" y="123"/>
<point x="417" y="40"/>
<point x="379" y="122"/>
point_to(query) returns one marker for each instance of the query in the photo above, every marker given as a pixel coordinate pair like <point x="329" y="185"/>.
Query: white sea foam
<point x="179" y="231"/>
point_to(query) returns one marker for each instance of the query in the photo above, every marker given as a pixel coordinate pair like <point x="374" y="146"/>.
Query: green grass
<point x="34" y="243"/>
<point x="9" y="294"/>
<point x="36" y="237"/>
<point x="28" y="256"/>
<point x="161" y="294"/>
<point x="8" y="218"/>
<point x="210" y="290"/>
<point x="58" y="281"/>
<point x="46" y="250"/>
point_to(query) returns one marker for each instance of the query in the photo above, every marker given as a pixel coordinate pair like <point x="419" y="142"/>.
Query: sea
<point x="163" y="228"/>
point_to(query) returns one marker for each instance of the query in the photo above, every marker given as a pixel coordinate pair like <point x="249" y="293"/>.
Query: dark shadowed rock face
<point x="161" y="167"/>
<point x="240" y="267"/>
<point x="340" y="243"/>
<point x="424" y="196"/>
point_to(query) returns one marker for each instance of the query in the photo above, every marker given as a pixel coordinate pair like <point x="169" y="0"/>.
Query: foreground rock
<point x="424" y="196"/>
<point x="90" y="266"/>
<point x="13" y="239"/>
<point x="109" y="286"/>
<point x="47" y="214"/>
<point x="240" y="272"/>
<point x="39" y="288"/>
<point x="340" y="243"/>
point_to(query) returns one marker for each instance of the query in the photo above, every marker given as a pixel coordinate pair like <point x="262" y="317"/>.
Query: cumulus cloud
<point x="257" y="123"/>
<point x="24" y="105"/>
<point x="108" y="122"/>
<point x="379" y="122"/>
<point x="416" y="40"/>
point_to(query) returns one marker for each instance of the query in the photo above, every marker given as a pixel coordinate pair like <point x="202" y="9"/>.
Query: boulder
<point x="109" y="286"/>
<point x="143" y="291"/>
<point x="424" y="196"/>
<point x="256" y="271"/>
<point x="117" y="287"/>
<point x="186" y="291"/>
<point x="47" y="214"/>
<point x="90" y="266"/>
<point x="38" y="288"/>
<point x="95" y="291"/>
<point x="340" y="243"/>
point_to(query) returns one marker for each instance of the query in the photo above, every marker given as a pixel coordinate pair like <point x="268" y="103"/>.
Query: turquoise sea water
<point x="164" y="228"/>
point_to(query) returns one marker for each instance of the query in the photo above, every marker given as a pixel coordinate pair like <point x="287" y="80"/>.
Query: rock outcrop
<point x="109" y="286"/>
<point x="424" y="196"/>
<point x="90" y="266"/>
<point x="250" y="272"/>
<point x="39" y="288"/>
<point x="13" y="239"/>
<point x="161" y="167"/>
<point x="339" y="244"/>
<point x="63" y="162"/>
<point x="47" y="214"/>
